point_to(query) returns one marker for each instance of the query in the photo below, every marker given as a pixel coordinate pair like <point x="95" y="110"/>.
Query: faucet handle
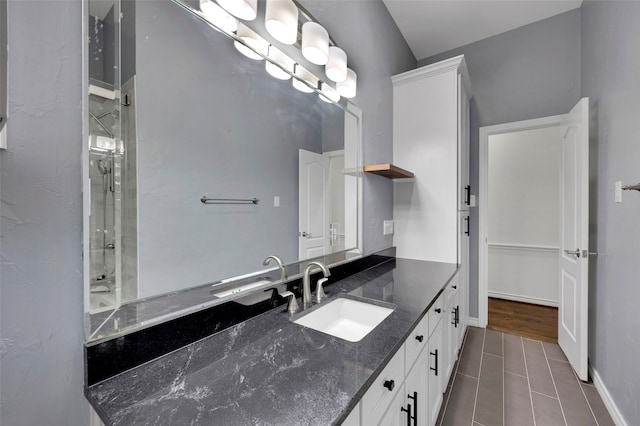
<point x="292" y="307"/>
<point x="320" y="294"/>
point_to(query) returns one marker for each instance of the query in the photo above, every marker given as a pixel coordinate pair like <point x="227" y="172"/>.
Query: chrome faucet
<point x="306" y="281"/>
<point x="283" y="270"/>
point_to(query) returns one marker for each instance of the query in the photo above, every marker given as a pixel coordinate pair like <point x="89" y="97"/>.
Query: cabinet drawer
<point x="377" y="399"/>
<point x="435" y="314"/>
<point x="416" y="342"/>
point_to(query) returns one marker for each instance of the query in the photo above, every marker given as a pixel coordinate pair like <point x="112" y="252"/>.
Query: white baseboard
<point x="525" y="299"/>
<point x="472" y="322"/>
<point x="615" y="413"/>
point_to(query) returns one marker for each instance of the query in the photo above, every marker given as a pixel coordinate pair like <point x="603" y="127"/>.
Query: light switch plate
<point x="276" y="201"/>
<point x="472" y="201"/>
<point x="387" y="227"/>
<point x="618" y="191"/>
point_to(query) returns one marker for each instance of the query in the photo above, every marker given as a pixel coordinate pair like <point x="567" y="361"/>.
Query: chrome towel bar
<point x="205" y="200"/>
<point x="630" y="187"/>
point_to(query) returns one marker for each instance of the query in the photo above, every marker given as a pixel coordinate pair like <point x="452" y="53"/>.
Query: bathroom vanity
<point x="270" y="370"/>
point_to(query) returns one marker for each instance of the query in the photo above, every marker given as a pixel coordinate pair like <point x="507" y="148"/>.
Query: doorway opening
<point x="523" y="230"/>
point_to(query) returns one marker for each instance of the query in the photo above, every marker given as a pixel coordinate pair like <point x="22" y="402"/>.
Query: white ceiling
<point x="435" y="26"/>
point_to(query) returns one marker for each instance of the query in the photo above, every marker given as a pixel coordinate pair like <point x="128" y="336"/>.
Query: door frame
<point x="483" y="189"/>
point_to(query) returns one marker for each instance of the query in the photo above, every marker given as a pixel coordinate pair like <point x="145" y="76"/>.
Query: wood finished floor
<point x="524" y="319"/>
<point x="506" y="380"/>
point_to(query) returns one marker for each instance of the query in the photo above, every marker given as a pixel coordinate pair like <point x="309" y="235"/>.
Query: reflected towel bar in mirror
<point x="205" y="200"/>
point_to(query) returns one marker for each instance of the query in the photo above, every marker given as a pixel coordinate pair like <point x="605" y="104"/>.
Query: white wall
<point x="523" y="215"/>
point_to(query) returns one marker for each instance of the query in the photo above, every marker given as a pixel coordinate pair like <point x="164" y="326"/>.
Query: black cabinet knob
<point x="438" y="310"/>
<point x="454" y="287"/>
<point x="389" y="384"/>
<point x="420" y="338"/>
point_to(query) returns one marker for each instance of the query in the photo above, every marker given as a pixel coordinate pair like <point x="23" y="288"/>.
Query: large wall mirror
<point x="200" y="164"/>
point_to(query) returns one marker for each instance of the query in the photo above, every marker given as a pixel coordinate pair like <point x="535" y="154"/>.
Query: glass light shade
<point x="336" y="68"/>
<point x="253" y="41"/>
<point x="243" y="9"/>
<point x="218" y="16"/>
<point x="305" y="75"/>
<point x="348" y="87"/>
<point x="315" y="43"/>
<point x="282" y="59"/>
<point x="281" y="20"/>
<point x="328" y="94"/>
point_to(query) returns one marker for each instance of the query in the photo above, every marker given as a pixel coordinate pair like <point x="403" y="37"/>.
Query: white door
<point x="313" y="221"/>
<point x="574" y="239"/>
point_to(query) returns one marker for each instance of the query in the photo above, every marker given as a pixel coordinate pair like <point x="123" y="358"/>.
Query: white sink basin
<point x="347" y="319"/>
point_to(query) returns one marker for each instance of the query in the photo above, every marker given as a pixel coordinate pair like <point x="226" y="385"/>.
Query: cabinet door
<point x="416" y="387"/>
<point x="464" y="189"/>
<point x="435" y="372"/>
<point x="395" y="416"/>
<point x="463" y="272"/>
<point x="383" y="390"/>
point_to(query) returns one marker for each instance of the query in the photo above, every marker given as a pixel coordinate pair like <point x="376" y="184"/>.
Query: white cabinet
<point x="417" y="391"/>
<point x="431" y="138"/>
<point x="380" y="395"/>
<point x="435" y="375"/>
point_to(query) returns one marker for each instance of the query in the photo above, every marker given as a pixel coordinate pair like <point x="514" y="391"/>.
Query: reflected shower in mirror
<point x="194" y="118"/>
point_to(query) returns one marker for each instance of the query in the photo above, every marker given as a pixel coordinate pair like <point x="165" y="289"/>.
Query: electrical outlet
<point x="276" y="201"/>
<point x="618" y="191"/>
<point x="472" y="201"/>
<point x="387" y="227"/>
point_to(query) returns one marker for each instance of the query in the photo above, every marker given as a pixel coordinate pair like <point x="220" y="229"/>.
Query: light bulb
<point x="218" y="16"/>
<point x="336" y="68"/>
<point x="283" y="60"/>
<point x="347" y="88"/>
<point x="254" y="44"/>
<point x="243" y="9"/>
<point x="305" y="75"/>
<point x="328" y="94"/>
<point x="315" y="43"/>
<point x="281" y="20"/>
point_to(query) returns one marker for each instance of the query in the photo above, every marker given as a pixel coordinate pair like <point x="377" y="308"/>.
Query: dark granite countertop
<point x="270" y="371"/>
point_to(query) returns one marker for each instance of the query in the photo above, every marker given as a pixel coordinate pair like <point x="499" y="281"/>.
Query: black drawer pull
<point x="435" y="354"/>
<point x="415" y="407"/>
<point x="420" y="338"/>
<point x="407" y="410"/>
<point x="468" y="231"/>
<point x="467" y="198"/>
<point x="389" y="384"/>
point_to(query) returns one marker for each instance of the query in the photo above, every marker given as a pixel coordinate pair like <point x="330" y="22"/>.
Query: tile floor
<point x="503" y="379"/>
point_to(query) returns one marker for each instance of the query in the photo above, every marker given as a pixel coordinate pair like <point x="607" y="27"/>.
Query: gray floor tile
<point x="553" y="351"/>
<point x="513" y="355"/>
<point x="517" y="401"/>
<point x="461" y="402"/>
<point x="472" y="352"/>
<point x="597" y="405"/>
<point x="539" y="374"/>
<point x="574" y="404"/>
<point x="489" y="402"/>
<point x="493" y="342"/>
<point x="547" y="410"/>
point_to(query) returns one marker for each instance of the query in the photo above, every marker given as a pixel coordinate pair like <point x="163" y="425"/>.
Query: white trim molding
<point x="523" y="247"/>
<point x="472" y="322"/>
<point x="483" y="165"/>
<point x="524" y="299"/>
<point x="455" y="63"/>
<point x="615" y="413"/>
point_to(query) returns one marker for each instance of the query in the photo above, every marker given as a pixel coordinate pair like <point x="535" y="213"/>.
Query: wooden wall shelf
<point x="389" y="171"/>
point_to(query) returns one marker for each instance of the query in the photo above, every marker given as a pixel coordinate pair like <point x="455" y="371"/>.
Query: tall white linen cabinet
<point x="431" y="138"/>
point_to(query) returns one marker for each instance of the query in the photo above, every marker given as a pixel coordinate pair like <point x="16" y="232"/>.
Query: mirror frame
<point x="135" y="315"/>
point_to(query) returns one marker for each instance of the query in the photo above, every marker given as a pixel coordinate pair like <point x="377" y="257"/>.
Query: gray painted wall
<point x="610" y="63"/>
<point x="41" y="300"/>
<point x="41" y="312"/>
<point x="529" y="72"/>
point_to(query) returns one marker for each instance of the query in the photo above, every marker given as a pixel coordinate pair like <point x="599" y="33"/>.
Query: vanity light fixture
<point x="348" y="87"/>
<point x="305" y="75"/>
<point x="315" y="43"/>
<point x="243" y="9"/>
<point x="254" y="43"/>
<point x="328" y="93"/>
<point x="336" y="68"/>
<point x="218" y="16"/>
<point x="281" y="59"/>
<point x="281" y="20"/>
